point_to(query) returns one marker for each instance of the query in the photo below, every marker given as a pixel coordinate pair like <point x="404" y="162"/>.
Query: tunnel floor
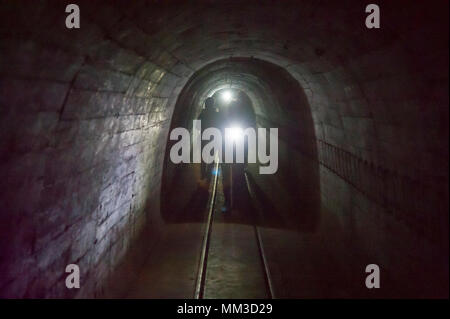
<point x="249" y="255"/>
<point x="233" y="267"/>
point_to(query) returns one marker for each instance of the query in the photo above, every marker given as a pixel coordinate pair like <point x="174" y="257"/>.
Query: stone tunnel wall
<point x="382" y="137"/>
<point x="83" y="126"/>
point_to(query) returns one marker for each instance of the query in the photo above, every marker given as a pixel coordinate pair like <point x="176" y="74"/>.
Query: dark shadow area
<point x="193" y="211"/>
<point x="265" y="206"/>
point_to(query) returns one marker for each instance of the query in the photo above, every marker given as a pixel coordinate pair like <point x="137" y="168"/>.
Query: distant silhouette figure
<point x="213" y="116"/>
<point x="209" y="117"/>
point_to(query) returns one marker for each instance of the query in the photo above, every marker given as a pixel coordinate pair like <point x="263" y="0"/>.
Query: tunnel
<point x="362" y="177"/>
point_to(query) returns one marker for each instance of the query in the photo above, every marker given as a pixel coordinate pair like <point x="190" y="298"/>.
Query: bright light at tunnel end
<point x="266" y="150"/>
<point x="234" y="133"/>
<point x="227" y="96"/>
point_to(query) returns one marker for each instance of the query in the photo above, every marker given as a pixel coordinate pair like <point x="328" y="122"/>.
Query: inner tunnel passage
<point x="86" y="175"/>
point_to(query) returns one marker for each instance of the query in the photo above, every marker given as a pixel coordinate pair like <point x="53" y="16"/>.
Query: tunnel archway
<point x="278" y="101"/>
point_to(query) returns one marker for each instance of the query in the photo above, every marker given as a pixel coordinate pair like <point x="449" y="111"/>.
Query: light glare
<point x="227" y="96"/>
<point x="235" y="133"/>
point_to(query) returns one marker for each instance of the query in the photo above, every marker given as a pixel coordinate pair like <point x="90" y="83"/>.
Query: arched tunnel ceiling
<point x="273" y="91"/>
<point x="197" y="33"/>
<point x="326" y="47"/>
